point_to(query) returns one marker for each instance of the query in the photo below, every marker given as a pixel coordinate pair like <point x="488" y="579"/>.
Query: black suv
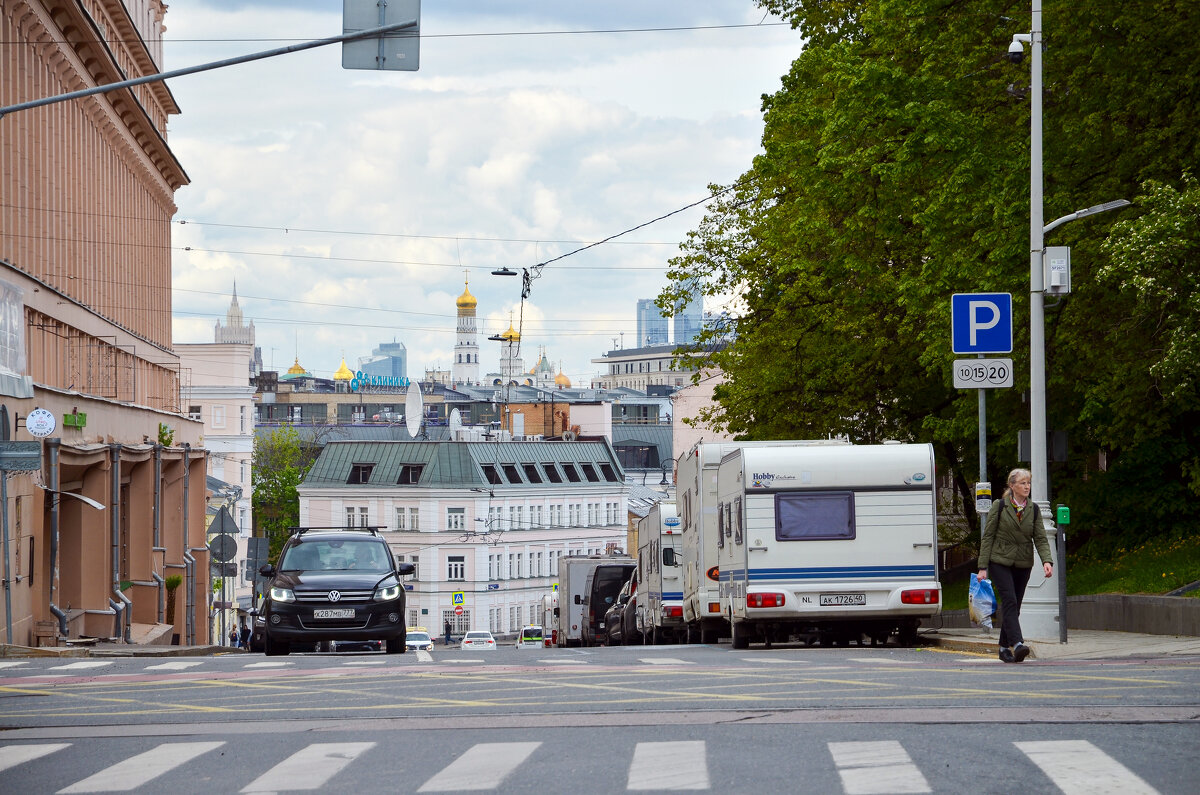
<point x="339" y="585"/>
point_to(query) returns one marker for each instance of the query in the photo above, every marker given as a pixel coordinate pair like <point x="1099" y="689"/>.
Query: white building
<point x="484" y="520"/>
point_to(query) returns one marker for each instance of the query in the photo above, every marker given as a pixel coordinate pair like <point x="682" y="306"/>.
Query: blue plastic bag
<point x="982" y="602"/>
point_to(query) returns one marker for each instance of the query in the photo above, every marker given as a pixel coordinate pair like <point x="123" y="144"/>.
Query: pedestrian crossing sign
<point x="458" y="598"/>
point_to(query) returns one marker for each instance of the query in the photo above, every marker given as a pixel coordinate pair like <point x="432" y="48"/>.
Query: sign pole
<point x="982" y="433"/>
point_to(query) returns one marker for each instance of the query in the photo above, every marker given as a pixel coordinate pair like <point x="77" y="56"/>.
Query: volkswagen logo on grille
<point x="335" y="596"/>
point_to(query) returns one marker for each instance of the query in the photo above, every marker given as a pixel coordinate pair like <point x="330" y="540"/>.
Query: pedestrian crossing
<point x="876" y="767"/>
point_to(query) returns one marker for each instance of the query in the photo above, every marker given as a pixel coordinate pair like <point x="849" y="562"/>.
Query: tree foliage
<point x="281" y="460"/>
<point x="895" y="172"/>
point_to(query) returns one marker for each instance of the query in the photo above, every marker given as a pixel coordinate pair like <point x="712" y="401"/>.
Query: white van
<point x="659" y="572"/>
<point x="837" y="541"/>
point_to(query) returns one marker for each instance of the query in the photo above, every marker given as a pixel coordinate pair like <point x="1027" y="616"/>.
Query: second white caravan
<point x="835" y="542"/>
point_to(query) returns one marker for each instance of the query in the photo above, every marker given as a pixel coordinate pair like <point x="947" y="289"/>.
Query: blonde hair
<point x="1013" y="477"/>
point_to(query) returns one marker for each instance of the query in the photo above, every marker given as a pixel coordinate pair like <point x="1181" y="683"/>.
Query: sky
<point x="348" y="206"/>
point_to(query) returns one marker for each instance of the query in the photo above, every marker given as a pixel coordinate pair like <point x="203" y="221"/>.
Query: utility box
<point x="1056" y="266"/>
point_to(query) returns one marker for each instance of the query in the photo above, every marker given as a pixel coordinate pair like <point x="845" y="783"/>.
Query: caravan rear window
<point x="814" y="515"/>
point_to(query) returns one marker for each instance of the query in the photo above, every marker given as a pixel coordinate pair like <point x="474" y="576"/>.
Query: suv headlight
<point x="387" y="593"/>
<point x="282" y="595"/>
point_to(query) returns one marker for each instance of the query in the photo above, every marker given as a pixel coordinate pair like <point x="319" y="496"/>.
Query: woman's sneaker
<point x="1006" y="655"/>
<point x="1020" y="652"/>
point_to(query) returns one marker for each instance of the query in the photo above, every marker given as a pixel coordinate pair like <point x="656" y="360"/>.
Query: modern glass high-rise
<point x="688" y="320"/>
<point x="390" y="359"/>
<point x="651" y="325"/>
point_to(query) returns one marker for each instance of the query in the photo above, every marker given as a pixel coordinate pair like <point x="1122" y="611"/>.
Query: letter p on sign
<point x="981" y="322"/>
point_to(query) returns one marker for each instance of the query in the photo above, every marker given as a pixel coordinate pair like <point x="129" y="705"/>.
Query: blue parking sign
<point x="981" y="322"/>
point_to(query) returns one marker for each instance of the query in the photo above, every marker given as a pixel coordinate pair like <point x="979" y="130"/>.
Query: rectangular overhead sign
<point x="981" y="322"/>
<point x="399" y="50"/>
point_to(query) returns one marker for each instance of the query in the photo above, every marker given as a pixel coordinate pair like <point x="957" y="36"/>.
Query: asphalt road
<point x="789" y="719"/>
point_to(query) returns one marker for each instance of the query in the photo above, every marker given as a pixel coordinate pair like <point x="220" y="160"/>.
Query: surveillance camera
<point x="1016" y="52"/>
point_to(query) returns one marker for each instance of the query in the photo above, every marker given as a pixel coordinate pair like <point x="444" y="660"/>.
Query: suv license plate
<point x="336" y="613"/>
<point x="843" y="599"/>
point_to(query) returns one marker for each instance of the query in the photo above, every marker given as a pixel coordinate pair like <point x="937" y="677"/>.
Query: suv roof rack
<point x="372" y="529"/>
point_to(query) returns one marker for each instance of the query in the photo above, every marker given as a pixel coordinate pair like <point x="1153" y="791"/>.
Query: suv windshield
<point x="337" y="555"/>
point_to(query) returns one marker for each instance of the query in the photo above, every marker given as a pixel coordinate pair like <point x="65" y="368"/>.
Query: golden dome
<point x="343" y="373"/>
<point x="466" y="300"/>
<point x="296" y="369"/>
<point x="561" y="380"/>
<point x="511" y="335"/>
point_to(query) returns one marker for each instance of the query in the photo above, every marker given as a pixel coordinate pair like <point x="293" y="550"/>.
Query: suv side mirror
<point x="405" y="568"/>
<point x="266" y="570"/>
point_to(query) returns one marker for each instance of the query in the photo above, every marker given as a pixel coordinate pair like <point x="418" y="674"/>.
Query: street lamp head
<point x="1016" y="51"/>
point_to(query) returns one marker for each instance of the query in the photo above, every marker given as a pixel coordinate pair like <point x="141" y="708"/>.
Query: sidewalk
<point x="1082" y="644"/>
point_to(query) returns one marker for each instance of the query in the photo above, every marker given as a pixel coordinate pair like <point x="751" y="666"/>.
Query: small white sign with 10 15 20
<point x="983" y="373"/>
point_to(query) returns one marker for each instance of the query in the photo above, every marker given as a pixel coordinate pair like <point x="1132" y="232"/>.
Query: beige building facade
<point x="85" y="334"/>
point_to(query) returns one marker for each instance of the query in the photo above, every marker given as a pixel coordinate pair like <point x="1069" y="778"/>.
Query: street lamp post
<point x="1041" y="614"/>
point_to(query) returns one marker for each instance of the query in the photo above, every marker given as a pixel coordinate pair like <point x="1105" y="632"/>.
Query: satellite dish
<point x="414" y="409"/>
<point x="455" y="422"/>
<point x="569" y="436"/>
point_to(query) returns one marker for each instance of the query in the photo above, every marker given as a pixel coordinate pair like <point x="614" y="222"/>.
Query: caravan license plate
<point x="843" y="599"/>
<point x="334" y="613"/>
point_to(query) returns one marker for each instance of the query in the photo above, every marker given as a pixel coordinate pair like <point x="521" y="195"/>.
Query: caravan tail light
<point x="714" y="607"/>
<point x="764" y="600"/>
<point x="672" y="612"/>
<point x="921" y="596"/>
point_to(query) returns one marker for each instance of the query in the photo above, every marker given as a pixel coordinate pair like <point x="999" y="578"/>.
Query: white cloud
<point x="501" y="150"/>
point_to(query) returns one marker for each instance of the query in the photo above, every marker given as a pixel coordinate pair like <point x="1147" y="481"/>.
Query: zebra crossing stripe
<point x="309" y="768"/>
<point x="1077" y="766"/>
<point x="664" y="661"/>
<point x="482" y="767"/>
<point x="12" y="664"/>
<point x="141" y="769"/>
<point x="867" y="768"/>
<point x="669" y="765"/>
<point x="177" y="665"/>
<point x="13" y="755"/>
<point x="77" y="666"/>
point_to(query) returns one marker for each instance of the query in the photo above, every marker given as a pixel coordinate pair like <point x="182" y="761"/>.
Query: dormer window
<point x="410" y="474"/>
<point x="360" y="473"/>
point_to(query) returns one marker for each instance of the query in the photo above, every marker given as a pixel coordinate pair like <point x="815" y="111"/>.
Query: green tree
<point x="894" y="172"/>
<point x="281" y="461"/>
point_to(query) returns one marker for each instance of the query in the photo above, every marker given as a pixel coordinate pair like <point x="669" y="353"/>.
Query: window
<point x="456" y="519"/>
<point x="241" y="419"/>
<point x="410" y="474"/>
<point x="360" y="473"/>
<point x="531" y="473"/>
<point x="589" y="472"/>
<point x="362" y="517"/>
<point x="401" y="513"/>
<point x="532" y="614"/>
<point x="194" y="413"/>
<point x="456" y="567"/>
<point x="552" y="473"/>
<point x="572" y="473"/>
<point x="494" y="619"/>
<point x="721" y="525"/>
<point x="491" y="567"/>
<point x="416" y="575"/>
<point x="609" y="474"/>
<point x="810" y="516"/>
<point x="492" y="474"/>
<point x="413" y="520"/>
<point x="412" y="618"/>
<point x="512" y="572"/>
<point x="737" y="521"/>
<point x="512" y="619"/>
<point x="510" y="472"/>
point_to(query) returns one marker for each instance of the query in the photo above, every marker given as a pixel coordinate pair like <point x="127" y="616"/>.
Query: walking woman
<point x="1013" y="528"/>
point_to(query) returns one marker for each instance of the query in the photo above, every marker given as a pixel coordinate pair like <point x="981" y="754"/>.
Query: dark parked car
<point x="614" y="619"/>
<point x="334" y="585"/>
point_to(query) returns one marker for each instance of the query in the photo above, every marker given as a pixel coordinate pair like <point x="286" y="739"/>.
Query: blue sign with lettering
<point x="981" y="322"/>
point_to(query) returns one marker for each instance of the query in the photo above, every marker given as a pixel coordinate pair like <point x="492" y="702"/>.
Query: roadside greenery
<point x="1157" y="566"/>
<point x="281" y="461"/>
<point x="895" y="172"/>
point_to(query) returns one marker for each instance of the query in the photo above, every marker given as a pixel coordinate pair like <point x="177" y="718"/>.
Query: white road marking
<point x="424" y="656"/>
<point x="775" y="660"/>
<point x="309" y="768"/>
<point x="137" y="771"/>
<point x="177" y="665"/>
<point x="867" y="768"/>
<point x="366" y="662"/>
<point x="12" y="755"/>
<point x="669" y="766"/>
<point x="664" y="661"/>
<point x="279" y="664"/>
<point x="12" y="664"/>
<point x="82" y="664"/>
<point x="883" y="660"/>
<point x="567" y="660"/>
<point x="1077" y="766"/>
<point x="483" y="766"/>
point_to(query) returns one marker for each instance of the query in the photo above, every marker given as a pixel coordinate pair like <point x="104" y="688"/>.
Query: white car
<point x="478" y="639"/>
<point x="419" y="640"/>
<point x="531" y="637"/>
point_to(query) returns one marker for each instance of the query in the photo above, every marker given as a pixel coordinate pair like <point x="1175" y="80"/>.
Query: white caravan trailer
<point x="660" y="575"/>
<point x="838" y="540"/>
<point x="696" y="490"/>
